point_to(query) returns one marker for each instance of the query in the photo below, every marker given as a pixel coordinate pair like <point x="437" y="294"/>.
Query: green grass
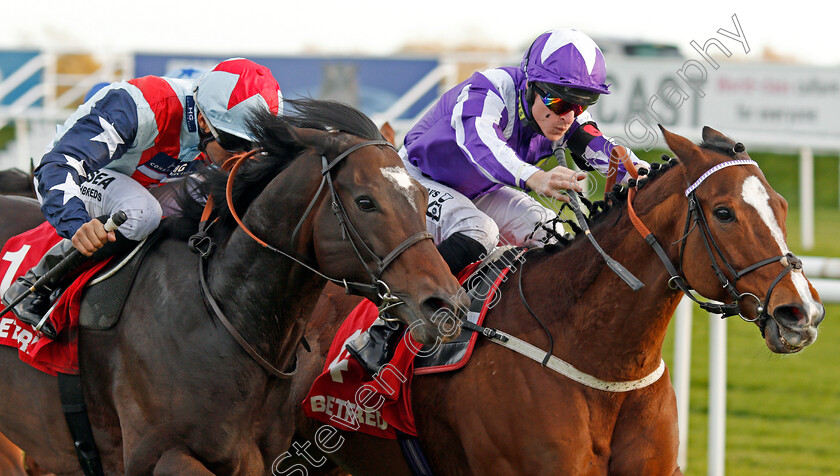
<point x="783" y="412"/>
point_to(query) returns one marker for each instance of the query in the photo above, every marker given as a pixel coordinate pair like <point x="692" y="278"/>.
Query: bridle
<point x="678" y="282"/>
<point x="348" y="230"/>
<point x="202" y="244"/>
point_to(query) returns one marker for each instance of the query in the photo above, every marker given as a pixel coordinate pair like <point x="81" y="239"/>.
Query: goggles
<point x="559" y="106"/>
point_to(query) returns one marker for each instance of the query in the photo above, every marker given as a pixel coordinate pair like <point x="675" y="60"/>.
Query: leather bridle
<point x="202" y="244"/>
<point x="696" y="217"/>
<point x="348" y="230"/>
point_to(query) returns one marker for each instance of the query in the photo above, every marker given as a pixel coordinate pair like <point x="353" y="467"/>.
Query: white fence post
<point x="682" y="374"/>
<point x="806" y="196"/>
<point x="717" y="395"/>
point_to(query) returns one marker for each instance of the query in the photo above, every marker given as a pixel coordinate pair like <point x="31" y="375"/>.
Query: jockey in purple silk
<point x="129" y="137"/>
<point x="477" y="148"/>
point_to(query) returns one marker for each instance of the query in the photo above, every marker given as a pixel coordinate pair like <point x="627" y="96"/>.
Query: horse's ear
<point x="685" y="150"/>
<point x="388" y="133"/>
<point x="711" y="136"/>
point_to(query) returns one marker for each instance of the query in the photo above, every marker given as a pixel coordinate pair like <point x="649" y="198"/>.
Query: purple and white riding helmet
<point x="568" y="64"/>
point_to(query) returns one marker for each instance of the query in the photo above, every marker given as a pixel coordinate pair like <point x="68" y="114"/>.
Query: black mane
<point x="280" y="145"/>
<point x="614" y="200"/>
<point x="722" y="144"/>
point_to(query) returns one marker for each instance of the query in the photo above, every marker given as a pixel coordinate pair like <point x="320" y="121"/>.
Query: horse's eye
<point x="724" y="214"/>
<point x="366" y="204"/>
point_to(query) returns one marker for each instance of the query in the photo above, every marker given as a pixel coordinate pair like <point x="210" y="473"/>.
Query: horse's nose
<point x="818" y="318"/>
<point x="447" y="312"/>
<point x="794" y="316"/>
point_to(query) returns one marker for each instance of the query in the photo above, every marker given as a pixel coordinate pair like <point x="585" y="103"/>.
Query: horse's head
<point x="735" y="250"/>
<point x="363" y="219"/>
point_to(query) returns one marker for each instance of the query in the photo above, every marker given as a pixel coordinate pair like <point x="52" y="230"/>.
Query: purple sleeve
<point x="478" y="118"/>
<point x="586" y="143"/>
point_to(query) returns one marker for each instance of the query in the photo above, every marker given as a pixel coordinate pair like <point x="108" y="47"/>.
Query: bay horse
<point x="504" y="414"/>
<point x="169" y="391"/>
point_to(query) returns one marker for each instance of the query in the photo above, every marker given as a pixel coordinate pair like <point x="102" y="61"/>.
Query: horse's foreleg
<point x="179" y="461"/>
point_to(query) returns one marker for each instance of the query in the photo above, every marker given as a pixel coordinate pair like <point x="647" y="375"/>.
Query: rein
<point x="201" y="243"/>
<point x="678" y="281"/>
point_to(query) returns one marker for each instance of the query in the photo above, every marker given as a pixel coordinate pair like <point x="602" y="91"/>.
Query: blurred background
<point x="767" y="77"/>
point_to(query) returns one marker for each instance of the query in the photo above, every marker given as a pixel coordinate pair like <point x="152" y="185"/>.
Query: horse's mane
<point x="280" y="145"/>
<point x="602" y="211"/>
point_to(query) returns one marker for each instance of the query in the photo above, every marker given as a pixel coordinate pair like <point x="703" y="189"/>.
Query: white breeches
<point x="111" y="191"/>
<point x="506" y="215"/>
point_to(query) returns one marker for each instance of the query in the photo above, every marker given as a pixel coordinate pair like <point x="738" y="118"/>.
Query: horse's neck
<point x="597" y="321"/>
<point x="267" y="296"/>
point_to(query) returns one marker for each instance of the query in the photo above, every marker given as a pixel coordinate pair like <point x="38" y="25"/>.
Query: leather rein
<point x="202" y="244"/>
<point x="676" y="282"/>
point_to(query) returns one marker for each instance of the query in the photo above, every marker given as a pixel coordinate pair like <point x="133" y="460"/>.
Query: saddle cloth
<point x="19" y="254"/>
<point x="346" y="397"/>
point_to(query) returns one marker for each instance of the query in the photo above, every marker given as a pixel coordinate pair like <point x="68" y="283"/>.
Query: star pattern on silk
<point x="77" y="165"/>
<point x="585" y="47"/>
<point x="69" y="187"/>
<point x="109" y="136"/>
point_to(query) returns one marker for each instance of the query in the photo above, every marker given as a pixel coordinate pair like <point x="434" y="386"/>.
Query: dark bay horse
<point x="504" y="414"/>
<point x="169" y="390"/>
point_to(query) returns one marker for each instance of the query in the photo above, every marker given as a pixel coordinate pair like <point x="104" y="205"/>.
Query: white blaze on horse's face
<point x="400" y="178"/>
<point x="756" y="195"/>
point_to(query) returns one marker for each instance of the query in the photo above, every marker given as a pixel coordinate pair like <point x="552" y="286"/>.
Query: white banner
<point x="759" y="104"/>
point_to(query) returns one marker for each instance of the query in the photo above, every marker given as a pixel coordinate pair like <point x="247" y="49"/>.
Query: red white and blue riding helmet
<point x="568" y="64"/>
<point x="230" y="92"/>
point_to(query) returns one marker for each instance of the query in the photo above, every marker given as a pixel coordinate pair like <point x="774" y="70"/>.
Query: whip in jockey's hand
<point x="92" y="236"/>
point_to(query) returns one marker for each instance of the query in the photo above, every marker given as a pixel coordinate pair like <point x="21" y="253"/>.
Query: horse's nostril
<point x="445" y="314"/>
<point x="791" y="315"/>
<point x="434" y="304"/>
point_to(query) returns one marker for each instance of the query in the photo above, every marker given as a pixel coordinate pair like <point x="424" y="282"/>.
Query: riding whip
<point x="69" y="263"/>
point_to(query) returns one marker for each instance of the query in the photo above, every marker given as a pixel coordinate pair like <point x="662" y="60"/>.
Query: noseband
<point x="678" y="281"/>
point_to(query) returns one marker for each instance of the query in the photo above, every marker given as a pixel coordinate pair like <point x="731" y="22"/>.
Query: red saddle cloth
<point x="346" y="397"/>
<point x="21" y="253"/>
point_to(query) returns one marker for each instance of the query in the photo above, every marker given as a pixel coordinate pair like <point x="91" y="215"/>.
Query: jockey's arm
<point x="587" y="144"/>
<point x="477" y="120"/>
<point x="97" y="133"/>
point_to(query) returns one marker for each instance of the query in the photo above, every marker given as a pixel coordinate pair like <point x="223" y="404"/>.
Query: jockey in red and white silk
<point x="146" y="131"/>
<point x="129" y="137"/>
